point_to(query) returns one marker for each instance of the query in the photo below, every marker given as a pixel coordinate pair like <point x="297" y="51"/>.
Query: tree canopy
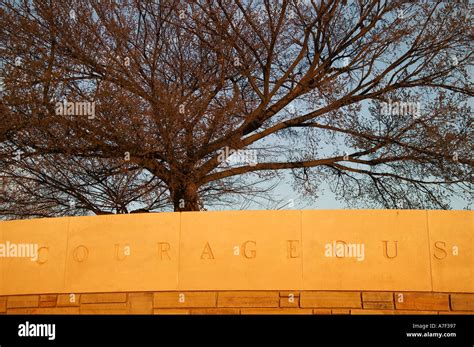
<point x="133" y="106"/>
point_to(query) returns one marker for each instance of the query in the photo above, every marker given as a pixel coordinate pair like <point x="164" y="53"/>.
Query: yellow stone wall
<point x="243" y="262"/>
<point x="241" y="302"/>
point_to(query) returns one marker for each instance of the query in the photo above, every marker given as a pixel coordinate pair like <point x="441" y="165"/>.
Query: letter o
<point x="80" y="253"/>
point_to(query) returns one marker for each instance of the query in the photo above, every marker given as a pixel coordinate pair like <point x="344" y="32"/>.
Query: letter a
<point x="21" y="330"/>
<point x="207" y="252"/>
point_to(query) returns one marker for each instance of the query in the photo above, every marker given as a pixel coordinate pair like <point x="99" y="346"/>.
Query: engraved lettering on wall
<point x="390" y="251"/>
<point x="248" y="252"/>
<point x="80" y="253"/>
<point x="43" y="255"/>
<point x="163" y="250"/>
<point x="207" y="252"/>
<point x="293" y="249"/>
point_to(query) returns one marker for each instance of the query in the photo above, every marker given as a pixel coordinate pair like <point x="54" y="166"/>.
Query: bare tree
<point x="153" y="105"/>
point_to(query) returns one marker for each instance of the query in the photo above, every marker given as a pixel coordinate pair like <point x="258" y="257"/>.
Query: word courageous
<point x="401" y="108"/>
<point x="241" y="156"/>
<point x="248" y="250"/>
<point x="20" y="250"/>
<point x="165" y="251"/>
<point x="37" y="330"/>
<point x="340" y="249"/>
<point x="66" y="108"/>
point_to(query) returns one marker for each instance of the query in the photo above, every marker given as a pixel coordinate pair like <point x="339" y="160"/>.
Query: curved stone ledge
<point x="332" y="250"/>
<point x="241" y="302"/>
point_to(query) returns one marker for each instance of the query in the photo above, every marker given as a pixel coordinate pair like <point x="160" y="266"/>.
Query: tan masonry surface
<point x="243" y="262"/>
<point x="244" y="302"/>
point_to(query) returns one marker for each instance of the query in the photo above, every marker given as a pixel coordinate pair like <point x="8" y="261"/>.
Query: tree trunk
<point x="185" y="197"/>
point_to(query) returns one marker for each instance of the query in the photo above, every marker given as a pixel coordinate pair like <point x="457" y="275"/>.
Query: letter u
<point x="385" y="250"/>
